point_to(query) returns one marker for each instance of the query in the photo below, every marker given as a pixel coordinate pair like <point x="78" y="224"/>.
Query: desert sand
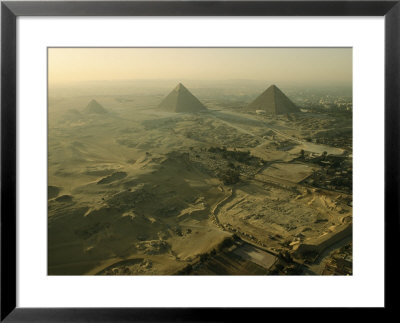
<point x="137" y="189"/>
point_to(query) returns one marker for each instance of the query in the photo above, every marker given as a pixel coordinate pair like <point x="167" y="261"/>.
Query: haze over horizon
<point x="278" y="65"/>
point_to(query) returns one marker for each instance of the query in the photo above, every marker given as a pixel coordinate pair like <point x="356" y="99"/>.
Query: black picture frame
<point x="11" y="10"/>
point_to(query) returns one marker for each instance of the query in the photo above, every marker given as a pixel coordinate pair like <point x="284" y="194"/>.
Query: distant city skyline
<point x="297" y="65"/>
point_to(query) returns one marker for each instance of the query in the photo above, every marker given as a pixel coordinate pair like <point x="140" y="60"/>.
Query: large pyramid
<point x="95" y="107"/>
<point x="181" y="100"/>
<point x="273" y="101"/>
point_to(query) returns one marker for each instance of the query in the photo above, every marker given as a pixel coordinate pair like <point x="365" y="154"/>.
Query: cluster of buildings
<point x="340" y="262"/>
<point x="327" y="102"/>
<point x="336" y="173"/>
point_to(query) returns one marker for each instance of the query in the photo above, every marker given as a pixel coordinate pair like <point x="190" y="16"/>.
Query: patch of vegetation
<point x="204" y="257"/>
<point x="230" y="176"/>
<point x="237" y="155"/>
<point x="226" y="243"/>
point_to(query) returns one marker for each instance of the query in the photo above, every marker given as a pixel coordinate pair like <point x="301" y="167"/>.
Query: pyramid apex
<point x="95" y="107"/>
<point x="274" y="89"/>
<point x="94" y="101"/>
<point x="181" y="100"/>
<point x="273" y="101"/>
<point x="179" y="86"/>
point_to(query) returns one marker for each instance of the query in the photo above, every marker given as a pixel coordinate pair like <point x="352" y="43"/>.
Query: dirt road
<point x="229" y="118"/>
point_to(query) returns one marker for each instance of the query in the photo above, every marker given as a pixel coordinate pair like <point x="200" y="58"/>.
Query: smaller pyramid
<point x="181" y="100"/>
<point x="95" y="107"/>
<point x="273" y="101"/>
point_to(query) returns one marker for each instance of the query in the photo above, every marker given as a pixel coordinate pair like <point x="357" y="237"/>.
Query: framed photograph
<point x="197" y="160"/>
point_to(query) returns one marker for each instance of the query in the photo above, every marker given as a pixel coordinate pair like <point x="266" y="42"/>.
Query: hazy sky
<point x="307" y="65"/>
